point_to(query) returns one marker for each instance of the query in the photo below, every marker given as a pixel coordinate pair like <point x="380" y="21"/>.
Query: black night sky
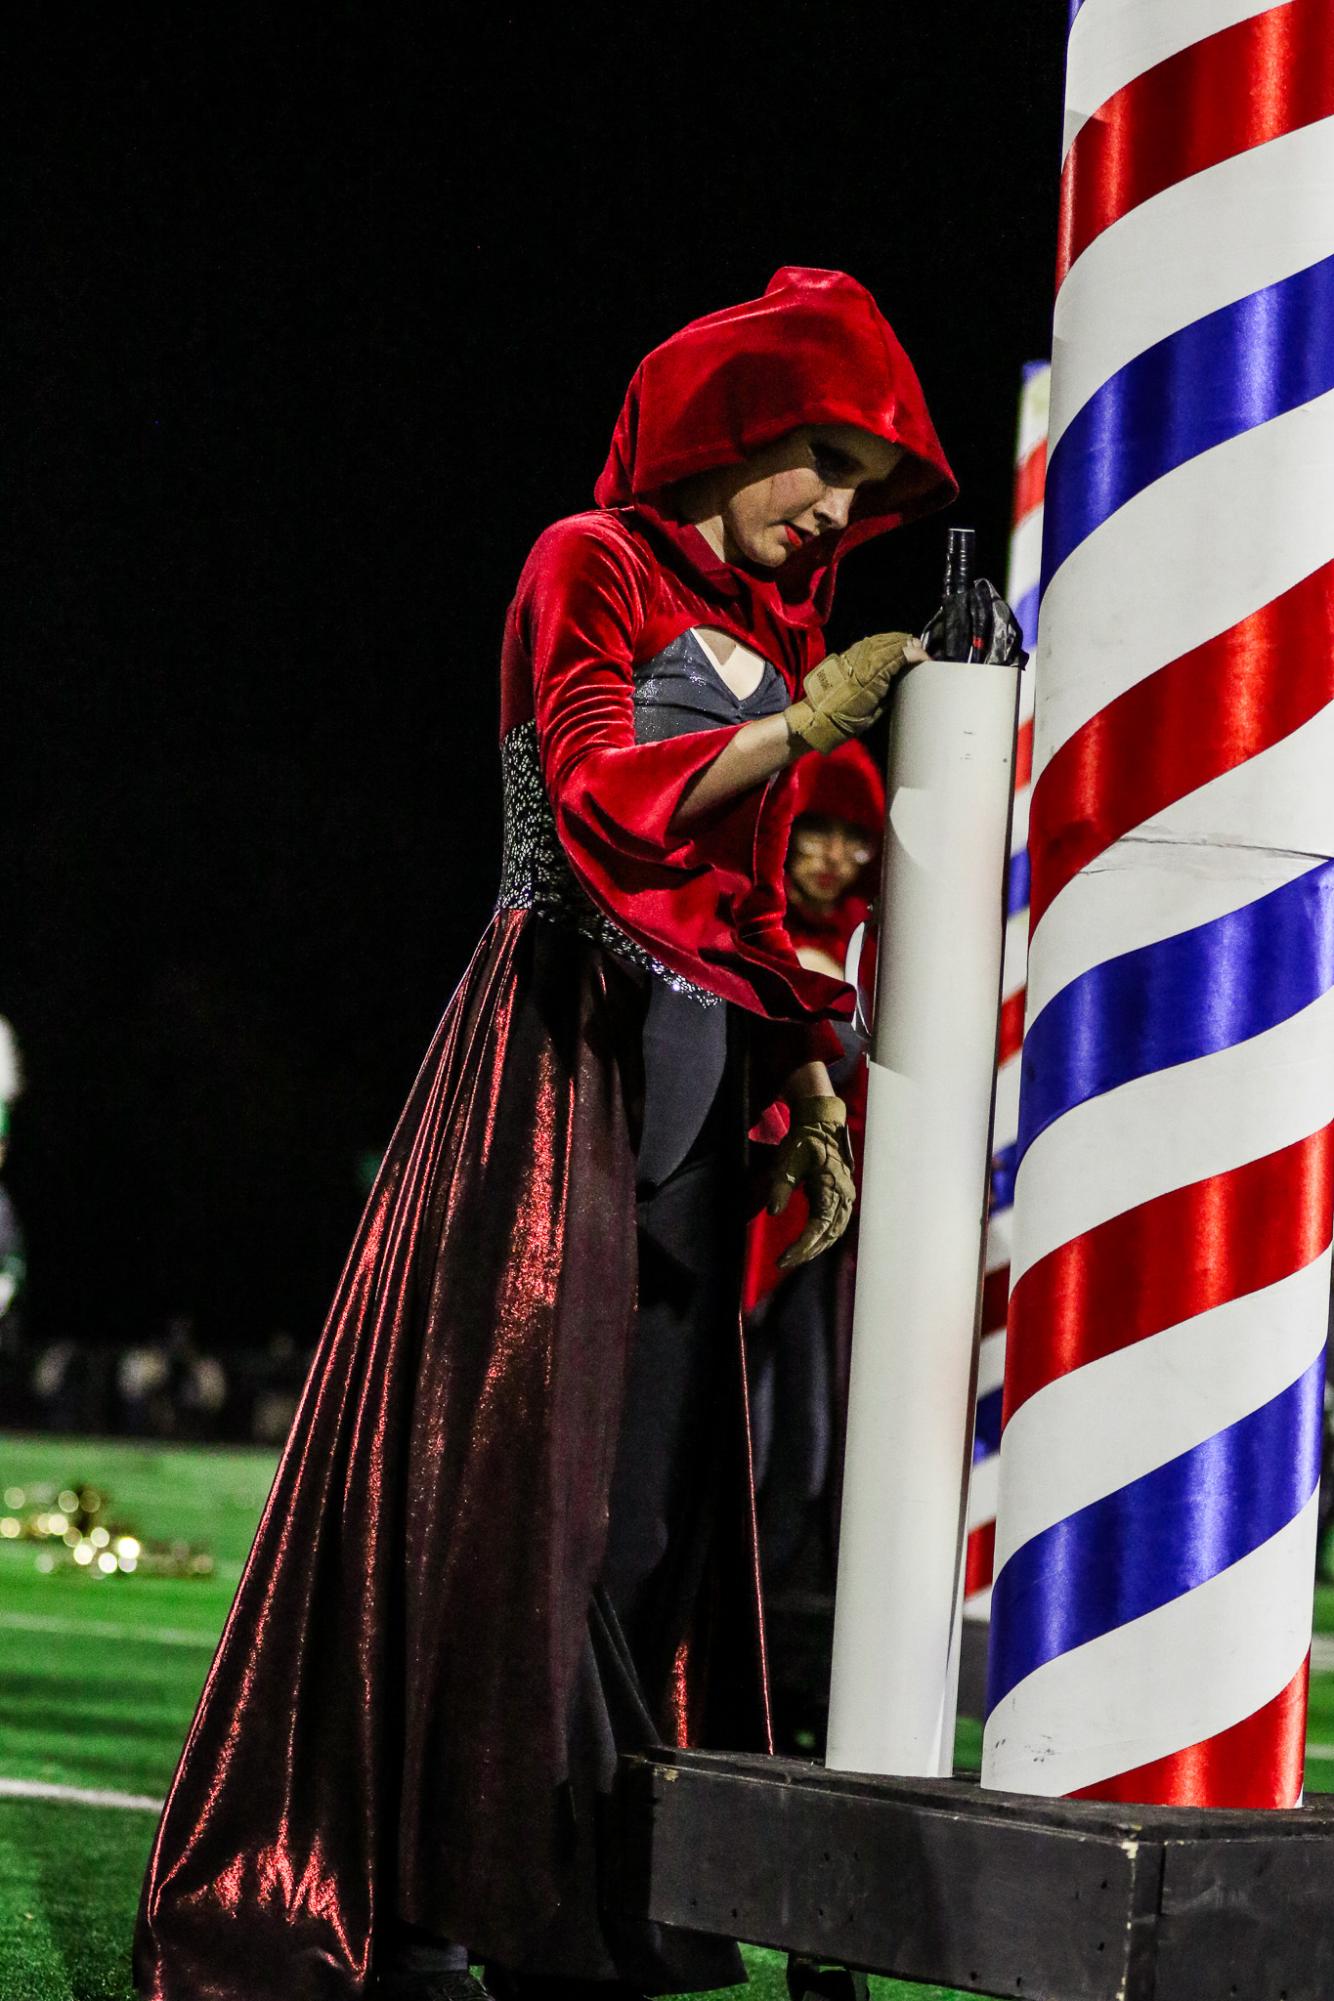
<point x="315" y="322"/>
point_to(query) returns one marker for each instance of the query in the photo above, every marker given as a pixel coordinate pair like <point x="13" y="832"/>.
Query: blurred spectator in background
<point x="12" y="1260"/>
<point x="270" y="1387"/>
<point x="69" y="1387"/>
<point x="171" y="1388"/>
<point x="799" y="1323"/>
<point x="12" y="1266"/>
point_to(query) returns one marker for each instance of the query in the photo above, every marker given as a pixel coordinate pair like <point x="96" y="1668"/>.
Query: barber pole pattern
<point x="1022" y="592"/>
<point x="1170" y="1271"/>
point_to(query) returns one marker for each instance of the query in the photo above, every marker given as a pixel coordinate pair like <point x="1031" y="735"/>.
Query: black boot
<point x="430" y="1986"/>
<point x="507" y="1986"/>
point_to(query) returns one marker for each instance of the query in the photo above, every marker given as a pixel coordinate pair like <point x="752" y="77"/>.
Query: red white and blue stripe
<point x="1022" y="583"/>
<point x="1174" y="1159"/>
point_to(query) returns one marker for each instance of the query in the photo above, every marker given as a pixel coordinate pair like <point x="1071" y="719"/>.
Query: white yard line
<point x="1322" y="1652"/>
<point x="105" y="1629"/>
<point x="38" y="1789"/>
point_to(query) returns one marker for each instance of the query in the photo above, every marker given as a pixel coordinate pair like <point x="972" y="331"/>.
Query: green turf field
<point x="98" y="1681"/>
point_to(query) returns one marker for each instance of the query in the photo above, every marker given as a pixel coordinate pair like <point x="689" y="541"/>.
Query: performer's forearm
<point x="750" y="758"/>
<point x="843" y="697"/>
<point x="808" y="1080"/>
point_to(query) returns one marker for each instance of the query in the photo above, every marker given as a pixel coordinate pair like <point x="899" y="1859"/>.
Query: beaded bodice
<point x="534" y="874"/>
<point x="679" y="690"/>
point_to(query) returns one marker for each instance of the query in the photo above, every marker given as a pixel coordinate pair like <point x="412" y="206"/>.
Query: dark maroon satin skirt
<point x="384" y="1733"/>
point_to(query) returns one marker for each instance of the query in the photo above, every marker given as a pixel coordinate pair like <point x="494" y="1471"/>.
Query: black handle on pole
<point x="973" y="621"/>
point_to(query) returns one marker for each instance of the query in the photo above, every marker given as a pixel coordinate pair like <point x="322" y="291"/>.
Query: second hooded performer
<point x="510" y="1533"/>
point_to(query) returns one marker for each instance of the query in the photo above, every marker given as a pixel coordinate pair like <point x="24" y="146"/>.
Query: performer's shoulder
<point x="598" y="537"/>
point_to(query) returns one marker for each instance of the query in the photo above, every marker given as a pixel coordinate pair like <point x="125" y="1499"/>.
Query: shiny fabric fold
<point x="383" y="1731"/>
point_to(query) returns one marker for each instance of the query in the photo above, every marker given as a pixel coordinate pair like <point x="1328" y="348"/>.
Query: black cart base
<point x="995" y="1893"/>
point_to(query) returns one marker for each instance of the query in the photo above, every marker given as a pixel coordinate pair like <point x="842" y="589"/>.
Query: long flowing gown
<point x="434" y="1654"/>
<point x="512" y="1529"/>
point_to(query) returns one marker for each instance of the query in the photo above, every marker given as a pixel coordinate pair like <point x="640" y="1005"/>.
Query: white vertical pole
<point x="924" y="1186"/>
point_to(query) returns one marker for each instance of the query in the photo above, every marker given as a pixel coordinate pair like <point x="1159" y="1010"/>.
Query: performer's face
<point x="824" y="859"/>
<point x="800" y="486"/>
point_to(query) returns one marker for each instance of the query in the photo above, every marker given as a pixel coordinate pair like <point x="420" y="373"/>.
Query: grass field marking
<point x="1322" y="1652"/>
<point x="40" y="1789"/>
<point x="105" y="1629"/>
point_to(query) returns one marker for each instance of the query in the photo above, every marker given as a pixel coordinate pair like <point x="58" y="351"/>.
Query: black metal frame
<point x="994" y="1893"/>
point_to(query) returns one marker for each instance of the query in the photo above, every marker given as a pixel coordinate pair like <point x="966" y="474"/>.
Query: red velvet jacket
<point x="603" y="592"/>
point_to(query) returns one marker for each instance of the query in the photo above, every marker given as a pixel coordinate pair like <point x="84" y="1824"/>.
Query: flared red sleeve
<point x="706" y="900"/>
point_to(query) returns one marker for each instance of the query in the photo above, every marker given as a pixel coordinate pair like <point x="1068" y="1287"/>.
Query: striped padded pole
<point x="1022" y="580"/>
<point x="1151" y="1610"/>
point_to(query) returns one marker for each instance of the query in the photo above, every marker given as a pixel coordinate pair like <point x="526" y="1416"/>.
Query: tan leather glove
<point x="816" y="1152"/>
<point x="846" y="692"/>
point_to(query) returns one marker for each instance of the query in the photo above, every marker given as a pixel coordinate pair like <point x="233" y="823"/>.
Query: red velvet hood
<point x="815" y="349"/>
<point x="845" y="785"/>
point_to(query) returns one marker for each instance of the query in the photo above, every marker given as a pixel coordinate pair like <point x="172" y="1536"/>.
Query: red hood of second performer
<point x="846" y="785"/>
<point x="815" y="349"/>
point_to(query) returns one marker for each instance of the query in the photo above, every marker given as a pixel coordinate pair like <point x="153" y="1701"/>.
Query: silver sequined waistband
<point x="534" y="874"/>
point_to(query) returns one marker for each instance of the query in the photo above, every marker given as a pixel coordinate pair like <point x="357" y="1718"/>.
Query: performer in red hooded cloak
<point x="512" y="1528"/>
<point x="837" y="807"/>
<point x="799" y="1321"/>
